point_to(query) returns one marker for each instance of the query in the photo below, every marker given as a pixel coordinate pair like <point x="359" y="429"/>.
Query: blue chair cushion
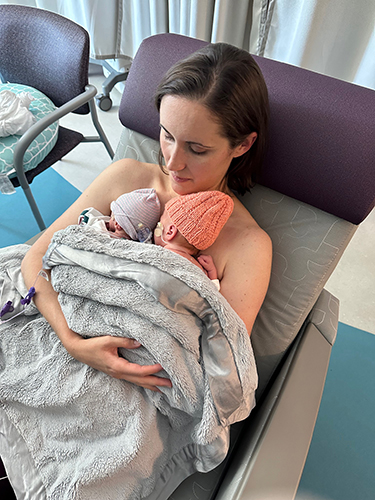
<point x="42" y="144"/>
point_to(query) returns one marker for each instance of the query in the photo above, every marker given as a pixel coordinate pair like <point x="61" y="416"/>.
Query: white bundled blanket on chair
<point x="15" y="116"/>
<point x="95" y="437"/>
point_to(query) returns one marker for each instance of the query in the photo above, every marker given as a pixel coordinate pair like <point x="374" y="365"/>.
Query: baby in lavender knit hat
<point x="133" y="216"/>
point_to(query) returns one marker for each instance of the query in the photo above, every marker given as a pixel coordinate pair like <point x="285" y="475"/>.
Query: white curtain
<point x="117" y="27"/>
<point x="210" y="20"/>
<point x="334" y="37"/>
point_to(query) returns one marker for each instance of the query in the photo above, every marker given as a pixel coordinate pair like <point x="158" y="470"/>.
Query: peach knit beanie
<point x="199" y="217"/>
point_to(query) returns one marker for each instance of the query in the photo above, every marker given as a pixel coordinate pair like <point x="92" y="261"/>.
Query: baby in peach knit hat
<point x="191" y="223"/>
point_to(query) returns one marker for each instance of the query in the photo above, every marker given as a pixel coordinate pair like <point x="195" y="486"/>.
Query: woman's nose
<point x="177" y="160"/>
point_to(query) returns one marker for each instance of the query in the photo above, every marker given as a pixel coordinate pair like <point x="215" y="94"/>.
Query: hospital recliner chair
<point x="318" y="184"/>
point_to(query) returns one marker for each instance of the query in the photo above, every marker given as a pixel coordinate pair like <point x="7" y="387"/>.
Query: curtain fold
<point x="117" y="27"/>
<point x="230" y="21"/>
<point x="334" y="37"/>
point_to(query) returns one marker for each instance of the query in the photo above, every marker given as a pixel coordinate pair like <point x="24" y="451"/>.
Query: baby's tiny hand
<point x="206" y="261"/>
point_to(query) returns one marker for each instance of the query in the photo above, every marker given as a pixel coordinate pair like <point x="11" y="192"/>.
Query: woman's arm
<point x="100" y="353"/>
<point x="247" y="273"/>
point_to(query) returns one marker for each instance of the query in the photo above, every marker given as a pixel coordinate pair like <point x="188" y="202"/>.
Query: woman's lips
<point x="176" y="178"/>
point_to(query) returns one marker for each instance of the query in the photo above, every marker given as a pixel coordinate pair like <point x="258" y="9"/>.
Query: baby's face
<point x="114" y="227"/>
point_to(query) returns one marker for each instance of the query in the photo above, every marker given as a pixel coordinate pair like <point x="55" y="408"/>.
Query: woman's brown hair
<point x="228" y="81"/>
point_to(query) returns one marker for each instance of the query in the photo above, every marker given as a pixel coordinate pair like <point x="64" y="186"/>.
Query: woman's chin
<point x="183" y="188"/>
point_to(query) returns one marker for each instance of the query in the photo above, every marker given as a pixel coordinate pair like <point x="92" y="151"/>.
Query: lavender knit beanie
<point x="141" y="206"/>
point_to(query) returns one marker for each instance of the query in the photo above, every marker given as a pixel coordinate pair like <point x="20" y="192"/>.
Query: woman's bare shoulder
<point x="245" y="265"/>
<point x="128" y="174"/>
<point x="249" y="246"/>
<point x="242" y="231"/>
<point x="118" y="178"/>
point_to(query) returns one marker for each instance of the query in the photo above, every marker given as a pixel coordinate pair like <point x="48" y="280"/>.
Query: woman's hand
<point x="101" y="353"/>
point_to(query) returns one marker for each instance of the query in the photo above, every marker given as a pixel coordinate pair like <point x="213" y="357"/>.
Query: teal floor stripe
<point x="53" y="194"/>
<point x="341" y="461"/>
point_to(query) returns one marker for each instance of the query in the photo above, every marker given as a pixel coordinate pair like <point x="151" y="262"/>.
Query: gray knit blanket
<point x="95" y="437"/>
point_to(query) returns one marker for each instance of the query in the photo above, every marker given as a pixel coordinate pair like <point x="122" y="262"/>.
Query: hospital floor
<point x="352" y="282"/>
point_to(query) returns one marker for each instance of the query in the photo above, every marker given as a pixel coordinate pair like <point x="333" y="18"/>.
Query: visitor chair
<point x="46" y="55"/>
<point x="317" y="186"/>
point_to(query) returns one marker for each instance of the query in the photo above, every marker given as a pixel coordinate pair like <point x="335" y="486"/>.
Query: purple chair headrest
<point x="322" y="130"/>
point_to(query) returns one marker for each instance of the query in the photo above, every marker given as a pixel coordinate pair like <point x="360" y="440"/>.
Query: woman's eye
<point x="197" y="151"/>
<point x="193" y="148"/>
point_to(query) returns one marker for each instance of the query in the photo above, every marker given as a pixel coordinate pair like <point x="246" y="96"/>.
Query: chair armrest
<point x="272" y="451"/>
<point x="38" y="127"/>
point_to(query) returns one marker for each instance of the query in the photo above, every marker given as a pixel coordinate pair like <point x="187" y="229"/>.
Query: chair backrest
<point x="318" y="181"/>
<point x="322" y="130"/>
<point x="44" y="50"/>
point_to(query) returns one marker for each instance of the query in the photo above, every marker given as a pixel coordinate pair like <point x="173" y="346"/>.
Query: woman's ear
<point x="245" y="145"/>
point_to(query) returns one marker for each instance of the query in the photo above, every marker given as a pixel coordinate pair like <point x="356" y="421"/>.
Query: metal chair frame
<point x="72" y="105"/>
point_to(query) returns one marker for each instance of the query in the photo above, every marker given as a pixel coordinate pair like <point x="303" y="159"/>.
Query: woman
<point x="213" y="118"/>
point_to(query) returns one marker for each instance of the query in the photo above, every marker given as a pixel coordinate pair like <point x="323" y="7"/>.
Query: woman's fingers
<point x="105" y="358"/>
<point x="141" y="374"/>
<point x="117" y="342"/>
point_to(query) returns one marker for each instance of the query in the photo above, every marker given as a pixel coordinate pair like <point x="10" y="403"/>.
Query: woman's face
<point x="196" y="154"/>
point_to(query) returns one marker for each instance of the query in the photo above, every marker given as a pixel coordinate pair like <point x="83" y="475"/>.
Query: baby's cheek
<point x="120" y="233"/>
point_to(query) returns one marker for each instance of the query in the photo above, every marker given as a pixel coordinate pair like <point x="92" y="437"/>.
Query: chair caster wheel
<point x="103" y="102"/>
